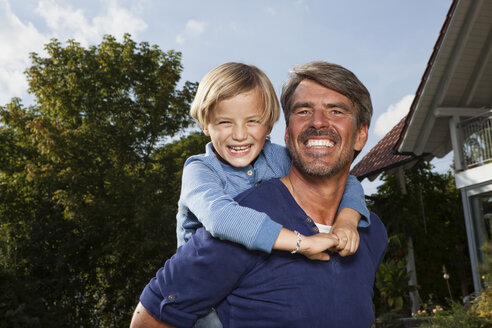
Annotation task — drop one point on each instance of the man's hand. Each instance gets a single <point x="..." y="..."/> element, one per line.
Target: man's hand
<point x="345" y="228"/>
<point x="313" y="246"/>
<point x="143" y="319"/>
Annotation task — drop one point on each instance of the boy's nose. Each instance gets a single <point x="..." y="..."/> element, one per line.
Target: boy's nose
<point x="239" y="132"/>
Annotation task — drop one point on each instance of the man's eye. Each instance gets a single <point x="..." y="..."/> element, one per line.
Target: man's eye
<point x="302" y="112"/>
<point x="336" y="111"/>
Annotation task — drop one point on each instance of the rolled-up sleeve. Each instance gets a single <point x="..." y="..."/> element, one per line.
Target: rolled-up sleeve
<point x="201" y="274"/>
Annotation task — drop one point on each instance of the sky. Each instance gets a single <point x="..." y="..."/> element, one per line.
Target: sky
<point x="386" y="43"/>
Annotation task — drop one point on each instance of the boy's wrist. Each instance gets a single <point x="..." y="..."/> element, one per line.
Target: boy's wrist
<point x="305" y="245"/>
<point x="348" y="216"/>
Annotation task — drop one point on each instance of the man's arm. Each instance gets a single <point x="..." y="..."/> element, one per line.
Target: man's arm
<point x="143" y="319"/>
<point x="199" y="276"/>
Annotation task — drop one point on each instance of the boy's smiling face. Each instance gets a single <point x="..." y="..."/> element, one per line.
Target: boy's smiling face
<point x="235" y="127"/>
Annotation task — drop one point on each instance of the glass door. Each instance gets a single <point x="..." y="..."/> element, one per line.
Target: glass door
<point x="477" y="205"/>
<point x="481" y="211"/>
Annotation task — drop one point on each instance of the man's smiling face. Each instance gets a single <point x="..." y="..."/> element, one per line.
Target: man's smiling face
<point x="322" y="133"/>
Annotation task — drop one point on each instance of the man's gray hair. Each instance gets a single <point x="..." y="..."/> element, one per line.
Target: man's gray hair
<point x="331" y="76"/>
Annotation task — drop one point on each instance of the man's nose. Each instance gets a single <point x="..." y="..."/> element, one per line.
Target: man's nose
<point x="319" y="118"/>
<point x="239" y="132"/>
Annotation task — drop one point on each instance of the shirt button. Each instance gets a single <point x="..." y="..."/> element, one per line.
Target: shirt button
<point x="171" y="297"/>
<point x="250" y="172"/>
<point x="315" y="229"/>
<point x="308" y="220"/>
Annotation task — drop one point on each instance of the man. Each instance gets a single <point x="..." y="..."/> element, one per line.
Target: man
<point x="327" y="111"/>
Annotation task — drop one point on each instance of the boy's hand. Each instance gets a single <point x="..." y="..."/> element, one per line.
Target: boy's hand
<point x="313" y="246"/>
<point x="345" y="228"/>
<point x="348" y="238"/>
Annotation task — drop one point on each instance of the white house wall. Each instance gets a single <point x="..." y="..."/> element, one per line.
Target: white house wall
<point x="474" y="176"/>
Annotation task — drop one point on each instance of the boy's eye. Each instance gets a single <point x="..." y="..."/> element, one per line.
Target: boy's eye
<point x="224" y="122"/>
<point x="254" y="121"/>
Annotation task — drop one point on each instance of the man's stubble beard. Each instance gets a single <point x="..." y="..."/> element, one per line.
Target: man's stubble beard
<point x="319" y="168"/>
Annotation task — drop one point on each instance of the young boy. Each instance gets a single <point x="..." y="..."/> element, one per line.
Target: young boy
<point x="236" y="106"/>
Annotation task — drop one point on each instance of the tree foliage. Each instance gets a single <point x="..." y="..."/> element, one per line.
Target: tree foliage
<point x="431" y="213"/>
<point x="88" y="190"/>
<point x="392" y="278"/>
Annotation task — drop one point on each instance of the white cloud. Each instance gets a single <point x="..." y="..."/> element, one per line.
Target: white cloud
<point x="192" y="30"/>
<point x="58" y="17"/>
<point x="63" y="22"/>
<point x="17" y="40"/>
<point x="119" y="21"/>
<point x="393" y="115"/>
<point x="68" y="23"/>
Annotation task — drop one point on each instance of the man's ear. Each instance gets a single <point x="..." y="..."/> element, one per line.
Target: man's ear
<point x="361" y="137"/>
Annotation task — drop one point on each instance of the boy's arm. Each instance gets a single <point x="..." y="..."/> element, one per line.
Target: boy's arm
<point x="312" y="247"/>
<point x="353" y="197"/>
<point x="203" y="193"/>
<point x="352" y="209"/>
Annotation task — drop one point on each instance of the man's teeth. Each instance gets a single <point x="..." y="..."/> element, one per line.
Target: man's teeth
<point x="319" y="143"/>
<point x="238" y="149"/>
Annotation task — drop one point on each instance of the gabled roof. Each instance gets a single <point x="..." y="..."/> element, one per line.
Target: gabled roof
<point x="457" y="81"/>
<point x="383" y="156"/>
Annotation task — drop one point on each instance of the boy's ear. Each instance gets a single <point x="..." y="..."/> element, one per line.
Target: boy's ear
<point x="205" y="131"/>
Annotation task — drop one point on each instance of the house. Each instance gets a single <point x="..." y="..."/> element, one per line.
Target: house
<point x="452" y="111"/>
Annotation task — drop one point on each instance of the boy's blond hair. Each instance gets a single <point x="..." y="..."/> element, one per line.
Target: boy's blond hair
<point x="229" y="80"/>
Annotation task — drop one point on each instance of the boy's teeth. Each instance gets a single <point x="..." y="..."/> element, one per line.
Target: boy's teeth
<point x="238" y="149"/>
<point x="319" y="143"/>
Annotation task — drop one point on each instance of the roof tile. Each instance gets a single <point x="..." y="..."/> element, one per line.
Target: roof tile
<point x="382" y="156"/>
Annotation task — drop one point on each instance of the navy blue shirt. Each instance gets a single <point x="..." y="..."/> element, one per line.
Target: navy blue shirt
<point x="256" y="289"/>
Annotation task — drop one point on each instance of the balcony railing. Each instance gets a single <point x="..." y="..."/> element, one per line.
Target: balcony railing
<point x="476" y="136"/>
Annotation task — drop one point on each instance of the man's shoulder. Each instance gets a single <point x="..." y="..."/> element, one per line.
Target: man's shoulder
<point x="264" y="190"/>
<point x="377" y="226"/>
<point x="376" y="234"/>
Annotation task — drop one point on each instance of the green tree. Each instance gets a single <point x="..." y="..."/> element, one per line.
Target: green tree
<point x="88" y="188"/>
<point x="431" y="213"/>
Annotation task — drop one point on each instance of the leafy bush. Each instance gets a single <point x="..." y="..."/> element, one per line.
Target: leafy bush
<point x="479" y="312"/>
<point x="458" y="316"/>
<point x="392" y="279"/>
<point x="392" y="283"/>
